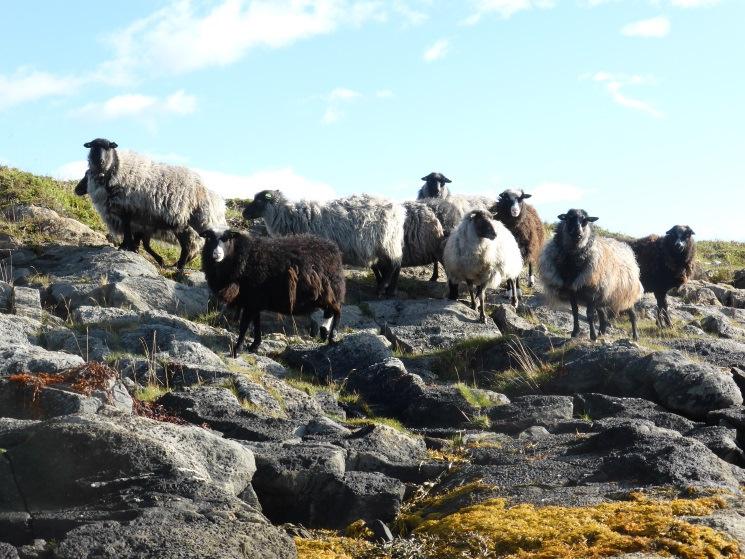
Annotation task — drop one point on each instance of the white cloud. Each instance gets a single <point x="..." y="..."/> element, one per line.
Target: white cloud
<point x="694" y="3"/>
<point x="339" y="99"/>
<point x="653" y="27"/>
<point x="291" y="184"/>
<point x="384" y="94"/>
<point x="343" y="94"/>
<point x="74" y="170"/>
<point x="30" y="85"/>
<point x="615" y="83"/>
<point x="185" y="36"/>
<point x="137" y="105"/>
<point x="332" y="114"/>
<point x="411" y="15"/>
<point x="437" y="50"/>
<point x="504" y="8"/>
<point x="554" y="192"/>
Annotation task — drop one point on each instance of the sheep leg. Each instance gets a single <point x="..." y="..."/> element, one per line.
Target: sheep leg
<point x="531" y="277"/>
<point x="513" y="287"/>
<point x="435" y="271"/>
<point x="591" y="320"/>
<point x="392" y="280"/>
<point x="663" y="317"/>
<point x="482" y="311"/>
<point x="452" y="291"/>
<point x="603" y="321"/>
<point x="325" y="329"/>
<point x="632" y="318"/>
<point x="242" y="328"/>
<point x="575" y="315"/>
<point x="129" y="242"/>
<point x="151" y="252"/>
<point x="334" y="323"/>
<point x="183" y="241"/>
<point x="469" y="283"/>
<point x="257" y="333"/>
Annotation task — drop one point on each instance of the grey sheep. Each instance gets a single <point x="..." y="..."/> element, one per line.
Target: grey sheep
<point x="580" y="267"/>
<point x="368" y="231"/>
<point x="132" y="192"/>
<point x="434" y="186"/>
<point x="481" y="252"/>
<point x="424" y="236"/>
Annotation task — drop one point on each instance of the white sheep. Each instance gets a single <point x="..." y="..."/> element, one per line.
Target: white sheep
<point x="368" y="231"/>
<point x="481" y="252"/>
<point x="580" y="267"/>
<point x="133" y="193"/>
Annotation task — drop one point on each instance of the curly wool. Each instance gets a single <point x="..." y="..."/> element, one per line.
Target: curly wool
<point x="424" y="236"/>
<point x="366" y="229"/>
<point x="604" y="272"/>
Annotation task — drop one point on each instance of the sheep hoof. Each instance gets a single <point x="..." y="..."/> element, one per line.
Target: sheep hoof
<point x="575" y="333"/>
<point x="433" y="278"/>
<point x="323" y="333"/>
<point x="253" y="348"/>
<point x="483" y="319"/>
<point x="531" y="281"/>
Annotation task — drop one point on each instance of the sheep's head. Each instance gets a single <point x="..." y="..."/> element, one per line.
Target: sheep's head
<point x="217" y="244"/>
<point x="101" y="156"/>
<point x="575" y="228"/>
<point x="482" y="224"/>
<point x="679" y="238"/>
<point x="435" y="185"/>
<point x="261" y="201"/>
<point x="510" y="203"/>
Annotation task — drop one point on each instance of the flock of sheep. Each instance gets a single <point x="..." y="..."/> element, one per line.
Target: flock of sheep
<point x="481" y="242"/>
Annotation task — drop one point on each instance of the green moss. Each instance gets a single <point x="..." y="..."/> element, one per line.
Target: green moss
<point x="150" y="392"/>
<point x="477" y="398"/>
<point x="331" y="546"/>
<point x="389" y="422"/>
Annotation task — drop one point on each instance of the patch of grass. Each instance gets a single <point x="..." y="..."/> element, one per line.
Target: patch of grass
<point x="530" y="372"/>
<point x="387" y="421"/>
<point x="720" y="259"/>
<point x="212" y="318"/>
<point x="494" y="529"/>
<point x="475" y="397"/>
<point x="366" y="309"/>
<point x="150" y="392"/>
<point x="20" y="187"/>
<point x="463" y="361"/>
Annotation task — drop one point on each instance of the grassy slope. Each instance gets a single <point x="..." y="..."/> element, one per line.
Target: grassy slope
<point x="719" y="258"/>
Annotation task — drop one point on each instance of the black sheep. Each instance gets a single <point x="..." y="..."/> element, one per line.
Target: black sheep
<point x="290" y="275"/>
<point x="434" y="186"/>
<point x="665" y="262"/>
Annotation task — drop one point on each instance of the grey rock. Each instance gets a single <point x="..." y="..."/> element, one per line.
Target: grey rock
<point x="509" y="322"/>
<point x="362" y="495"/>
<point x="533" y="433"/>
<point x="733" y="417"/>
<point x="355" y="351"/>
<point x="697" y="294"/>
<point x="420" y="325"/>
<point x="387" y="385"/>
<point x="222" y="411"/>
<point x="721" y="327"/>
<point x="325" y="427"/>
<point x="6" y="292"/>
<point x="600" y="406"/>
<point x="64" y="230"/>
<point x="531" y="410"/>
<point x="719" y="352"/>
<point x="188" y="351"/>
<point x="26" y="301"/>
<point x="721" y="440"/>
<point x="381" y="532"/>
<point x="7" y="551"/>
<point x="376" y="447"/>
<point x="442" y="406"/>
<point x="26" y="358"/>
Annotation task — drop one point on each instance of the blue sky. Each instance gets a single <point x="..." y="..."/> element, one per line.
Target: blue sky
<point x="631" y="109"/>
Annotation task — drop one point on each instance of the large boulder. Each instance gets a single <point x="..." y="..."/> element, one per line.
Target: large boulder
<point x="531" y="410"/>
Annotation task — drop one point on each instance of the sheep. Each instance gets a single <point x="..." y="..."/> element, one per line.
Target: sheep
<point x="483" y="252"/>
<point x="598" y="272"/>
<point x="424" y="236"/>
<point x="434" y="186"/>
<point x="665" y="262"/>
<point x="524" y="223"/>
<point x="368" y="231"/>
<point x="289" y="275"/>
<point x="131" y="192"/>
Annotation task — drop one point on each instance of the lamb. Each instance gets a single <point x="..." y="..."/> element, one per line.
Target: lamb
<point x="665" y="262"/>
<point x="580" y="267"/>
<point x="289" y="275"/>
<point x="424" y="236"/>
<point x="368" y="231"/>
<point x="434" y="186"/>
<point x="524" y="223"/>
<point x="133" y="193"/>
<point x="483" y="252"/>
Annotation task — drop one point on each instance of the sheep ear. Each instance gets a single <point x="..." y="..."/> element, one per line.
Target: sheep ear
<point x="445" y="179"/>
<point x="562" y="217"/>
<point x="670" y="231"/>
<point x="526" y="196"/>
<point x="691" y="231"/>
<point x="206" y="233"/>
<point x="229" y="234"/>
<point x="87" y="144"/>
<point x="592" y="219"/>
<point x="424" y="178"/>
<point x="113" y="145"/>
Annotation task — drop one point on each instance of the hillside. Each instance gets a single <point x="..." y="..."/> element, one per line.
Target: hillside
<point x="127" y="429"/>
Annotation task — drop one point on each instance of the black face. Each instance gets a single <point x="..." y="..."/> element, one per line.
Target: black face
<point x="258" y="205"/>
<point x="577" y="224"/>
<point x="511" y="202"/>
<point x="436" y="184"/>
<point x="100" y="156"/>
<point x="679" y="237"/>
<point x="483" y="225"/>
